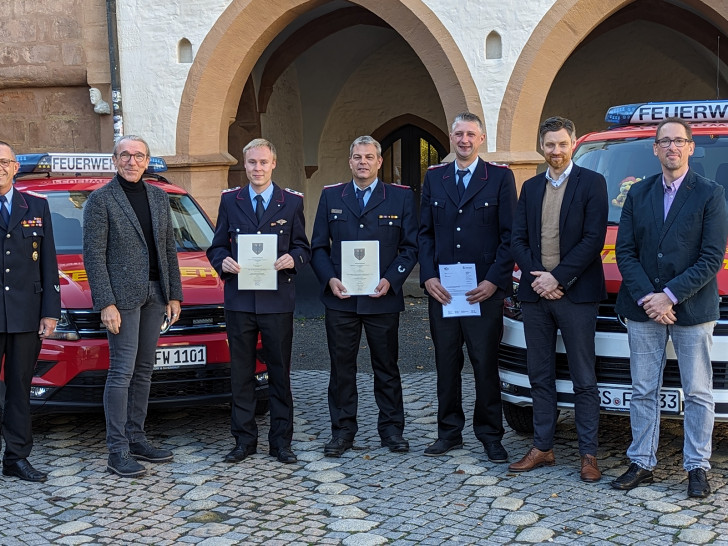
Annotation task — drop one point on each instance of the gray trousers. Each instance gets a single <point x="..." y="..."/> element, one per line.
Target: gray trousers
<point x="131" y="361"/>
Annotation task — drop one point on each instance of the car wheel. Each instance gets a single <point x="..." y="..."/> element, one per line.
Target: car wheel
<point x="519" y="418"/>
<point x="262" y="406"/>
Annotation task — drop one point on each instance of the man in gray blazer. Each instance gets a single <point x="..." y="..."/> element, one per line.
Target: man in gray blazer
<point x="131" y="261"/>
<point x="670" y="246"/>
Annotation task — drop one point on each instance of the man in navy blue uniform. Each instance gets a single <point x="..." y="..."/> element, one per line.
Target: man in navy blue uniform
<point x="466" y="216"/>
<point x="261" y="207"/>
<point x="365" y="209"/>
<point x="30" y="306"/>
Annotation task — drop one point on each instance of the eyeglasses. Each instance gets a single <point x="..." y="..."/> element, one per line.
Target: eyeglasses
<point x="679" y="142"/>
<point x="5" y="163"/>
<point x="126" y="156"/>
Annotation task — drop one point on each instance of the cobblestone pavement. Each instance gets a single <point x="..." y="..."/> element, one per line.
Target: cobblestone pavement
<point x="369" y="496"/>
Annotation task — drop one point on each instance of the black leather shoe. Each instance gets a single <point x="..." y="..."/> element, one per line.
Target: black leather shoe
<point x="698" y="485"/>
<point x="240" y="452"/>
<point x="124" y="465"/>
<point x="496" y="452"/>
<point x="284" y="454"/>
<point x="336" y="447"/>
<point x="634" y="476"/>
<point x="440" y="447"/>
<point x="24" y="470"/>
<point x="396" y="443"/>
<point x="144" y="451"/>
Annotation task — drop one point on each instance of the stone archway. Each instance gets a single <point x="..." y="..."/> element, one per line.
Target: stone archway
<point x="561" y="30"/>
<point x="229" y="52"/>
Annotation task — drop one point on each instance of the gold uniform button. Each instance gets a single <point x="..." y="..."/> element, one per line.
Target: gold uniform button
<point x="35" y="244"/>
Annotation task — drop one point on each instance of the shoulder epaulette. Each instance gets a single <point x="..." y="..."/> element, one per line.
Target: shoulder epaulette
<point x="334" y="185"/>
<point x="230" y="189"/>
<point x="36" y="194"/>
<point x="437" y="166"/>
<point x="294" y="192"/>
<point x="501" y="165"/>
<point x="402" y="186"/>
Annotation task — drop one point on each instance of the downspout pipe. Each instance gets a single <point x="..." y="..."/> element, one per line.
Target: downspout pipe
<point x="114" y="69"/>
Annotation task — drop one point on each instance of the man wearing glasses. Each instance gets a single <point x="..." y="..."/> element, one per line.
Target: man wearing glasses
<point x="30" y="305"/>
<point x="131" y="261"/>
<point x="670" y="246"/>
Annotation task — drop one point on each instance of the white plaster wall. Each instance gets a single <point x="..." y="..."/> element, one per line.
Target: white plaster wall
<point x="152" y="80"/>
<point x="469" y="24"/>
<point x="282" y="125"/>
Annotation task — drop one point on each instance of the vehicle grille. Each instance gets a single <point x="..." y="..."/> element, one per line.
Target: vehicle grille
<point x="87" y="388"/>
<point x="609" y="369"/>
<point x="607" y="320"/>
<point x="200" y="319"/>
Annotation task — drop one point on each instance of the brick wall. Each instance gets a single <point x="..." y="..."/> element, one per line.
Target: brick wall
<point x="50" y="54"/>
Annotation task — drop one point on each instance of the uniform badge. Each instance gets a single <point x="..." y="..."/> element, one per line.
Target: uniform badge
<point x="57" y="287"/>
<point x="336" y="211"/>
<point x="281" y="221"/>
<point x="35" y="255"/>
<point x="401" y="268"/>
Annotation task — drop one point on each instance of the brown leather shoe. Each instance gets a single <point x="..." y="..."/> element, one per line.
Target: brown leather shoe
<point x="533" y="459"/>
<point x="589" y="469"/>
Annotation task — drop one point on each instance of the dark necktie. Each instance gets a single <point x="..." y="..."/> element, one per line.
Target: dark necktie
<point x="360" y="197"/>
<point x="461" y="182"/>
<point x="4" y="210"/>
<point x="259" y="210"/>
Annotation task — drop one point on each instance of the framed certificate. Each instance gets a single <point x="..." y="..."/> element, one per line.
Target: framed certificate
<point x="360" y="267"/>
<point x="256" y="256"/>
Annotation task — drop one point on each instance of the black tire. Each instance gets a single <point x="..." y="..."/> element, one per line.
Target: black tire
<point x="519" y="418"/>
<point x="262" y="406"/>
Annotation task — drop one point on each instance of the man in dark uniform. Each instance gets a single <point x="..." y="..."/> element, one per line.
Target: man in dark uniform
<point x="261" y="207"/>
<point x="29" y="308"/>
<point x="365" y="209"/>
<point x="466" y="216"/>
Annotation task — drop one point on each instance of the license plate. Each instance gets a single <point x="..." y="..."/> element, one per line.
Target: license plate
<point x="175" y="357"/>
<point x="618" y="398"/>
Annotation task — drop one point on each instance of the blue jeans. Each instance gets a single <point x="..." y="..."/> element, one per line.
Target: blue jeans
<point x="131" y="361"/>
<point x="647" y="345"/>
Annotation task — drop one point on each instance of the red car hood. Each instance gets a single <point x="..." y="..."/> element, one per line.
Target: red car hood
<point x="200" y="282"/>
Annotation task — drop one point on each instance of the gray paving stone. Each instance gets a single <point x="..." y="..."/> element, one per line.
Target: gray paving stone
<point x="520" y="519"/>
<point x="331" y="488"/>
<point x="677" y="520"/>
<point x="72" y="527"/>
<point x="347" y="512"/>
<point x="492" y="491"/>
<point x="535" y="534"/>
<point x="74" y="539"/>
<point x="352" y="525"/>
<point x="663" y="507"/>
<point x="364" y="539"/>
<point x="327" y="476"/>
<point x="470" y="469"/>
<point x="482" y="480"/>
<point x="699" y="536"/>
<point x="309" y="456"/>
<point x="506" y="503"/>
<point x="339" y="500"/>
<point x="321" y="464"/>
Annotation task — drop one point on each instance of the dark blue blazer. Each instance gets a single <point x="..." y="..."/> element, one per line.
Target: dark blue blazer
<point x="389" y="217"/>
<point x="476" y="230"/>
<point x="582" y="228"/>
<point x="284" y="217"/>
<point x="683" y="252"/>
<point x="28" y="259"/>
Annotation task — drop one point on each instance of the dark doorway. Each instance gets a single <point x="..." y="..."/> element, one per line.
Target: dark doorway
<point x="407" y="152"/>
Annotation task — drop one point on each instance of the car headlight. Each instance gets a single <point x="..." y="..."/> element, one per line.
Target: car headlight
<point x="511" y="305"/>
<point x="65" y="329"/>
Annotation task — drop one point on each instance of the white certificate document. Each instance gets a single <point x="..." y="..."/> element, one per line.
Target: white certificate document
<point x="459" y="279"/>
<point x="256" y="256"/>
<point x="360" y="267"/>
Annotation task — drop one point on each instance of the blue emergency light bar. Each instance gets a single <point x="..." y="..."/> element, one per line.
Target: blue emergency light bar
<point x="697" y="111"/>
<point x="78" y="163"/>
